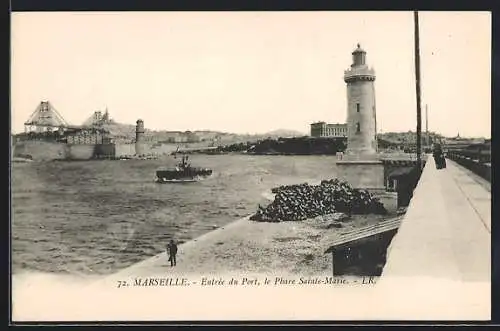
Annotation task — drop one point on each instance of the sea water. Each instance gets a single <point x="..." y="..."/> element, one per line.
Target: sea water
<point x="96" y="217"/>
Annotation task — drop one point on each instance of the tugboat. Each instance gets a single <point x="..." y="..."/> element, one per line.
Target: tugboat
<point x="182" y="173"/>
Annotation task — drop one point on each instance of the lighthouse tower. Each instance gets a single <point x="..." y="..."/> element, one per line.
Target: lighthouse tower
<point x="361" y="111"/>
<point x="361" y="167"/>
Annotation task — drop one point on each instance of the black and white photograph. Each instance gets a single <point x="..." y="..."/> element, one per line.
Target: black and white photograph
<point x="250" y="165"/>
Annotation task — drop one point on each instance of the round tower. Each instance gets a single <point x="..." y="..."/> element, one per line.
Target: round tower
<point x="139" y="137"/>
<point x="361" y="111"/>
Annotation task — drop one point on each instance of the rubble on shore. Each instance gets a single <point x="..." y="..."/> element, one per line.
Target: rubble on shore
<point x="304" y="201"/>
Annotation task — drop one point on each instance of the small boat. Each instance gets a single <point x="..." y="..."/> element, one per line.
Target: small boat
<point x="182" y="173"/>
<point x="21" y="160"/>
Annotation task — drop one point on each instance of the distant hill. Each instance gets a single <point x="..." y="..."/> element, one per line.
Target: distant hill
<point x="126" y="132"/>
<point x="284" y="133"/>
<point x="407" y="138"/>
<point x="120" y="130"/>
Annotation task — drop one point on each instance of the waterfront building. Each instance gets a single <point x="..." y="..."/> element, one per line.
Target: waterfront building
<point x="323" y="129"/>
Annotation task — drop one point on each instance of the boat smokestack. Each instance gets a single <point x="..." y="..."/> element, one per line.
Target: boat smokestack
<point x="139" y="137"/>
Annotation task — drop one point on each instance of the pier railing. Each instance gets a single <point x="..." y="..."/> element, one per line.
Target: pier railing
<point x="359" y="71"/>
<point x="477" y="162"/>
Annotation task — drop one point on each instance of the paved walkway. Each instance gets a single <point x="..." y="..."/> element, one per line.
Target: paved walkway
<point x="476" y="190"/>
<point x="445" y="238"/>
<point x="447" y="229"/>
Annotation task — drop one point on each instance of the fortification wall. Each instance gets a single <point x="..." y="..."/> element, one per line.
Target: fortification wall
<point x="40" y="150"/>
<point x="80" y="152"/>
<point x="129" y="149"/>
<point x="124" y="150"/>
<point x="47" y="151"/>
<point x="105" y="150"/>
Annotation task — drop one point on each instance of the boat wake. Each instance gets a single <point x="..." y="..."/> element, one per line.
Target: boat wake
<point x="181" y="180"/>
<point x="182" y="173"/>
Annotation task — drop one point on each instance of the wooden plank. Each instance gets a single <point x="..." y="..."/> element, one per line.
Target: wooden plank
<point x="365" y="232"/>
<point x="369" y="227"/>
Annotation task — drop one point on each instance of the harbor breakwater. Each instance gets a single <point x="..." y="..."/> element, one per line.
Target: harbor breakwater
<point x="39" y="150"/>
<point x="283" y="146"/>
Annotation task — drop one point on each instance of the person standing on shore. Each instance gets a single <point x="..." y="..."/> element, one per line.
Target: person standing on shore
<point x="172" y="252"/>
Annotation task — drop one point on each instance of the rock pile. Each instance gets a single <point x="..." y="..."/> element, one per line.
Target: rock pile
<point x="304" y="201"/>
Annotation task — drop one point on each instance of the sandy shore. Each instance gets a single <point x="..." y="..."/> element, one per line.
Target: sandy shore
<point x="250" y="247"/>
<point x="244" y="248"/>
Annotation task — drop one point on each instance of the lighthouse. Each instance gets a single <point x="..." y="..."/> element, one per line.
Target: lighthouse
<point x="361" y="110"/>
<point x="361" y="166"/>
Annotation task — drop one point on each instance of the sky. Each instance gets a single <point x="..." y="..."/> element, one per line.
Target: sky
<point x="250" y="72"/>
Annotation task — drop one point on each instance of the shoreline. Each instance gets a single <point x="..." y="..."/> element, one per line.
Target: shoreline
<point x="148" y="262"/>
<point x="255" y="230"/>
<point x="243" y="246"/>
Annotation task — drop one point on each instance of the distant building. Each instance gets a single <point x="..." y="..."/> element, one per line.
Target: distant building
<point x="98" y="118"/>
<point x="322" y="129"/>
<point x="179" y="137"/>
<point x="461" y="142"/>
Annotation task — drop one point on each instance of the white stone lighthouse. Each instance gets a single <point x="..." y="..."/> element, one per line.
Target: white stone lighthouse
<point x="361" y="111"/>
<point x="361" y="167"/>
